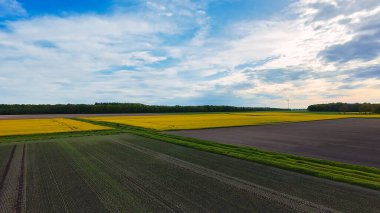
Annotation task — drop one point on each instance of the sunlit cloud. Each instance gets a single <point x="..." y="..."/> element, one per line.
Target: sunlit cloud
<point x="165" y="52"/>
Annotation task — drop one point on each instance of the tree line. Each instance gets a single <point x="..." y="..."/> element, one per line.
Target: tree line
<point x="345" y="107"/>
<point x="17" y="109"/>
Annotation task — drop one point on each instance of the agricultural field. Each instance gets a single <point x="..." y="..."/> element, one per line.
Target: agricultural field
<point x="44" y="126"/>
<point x="201" y="121"/>
<point x="124" y="172"/>
<point x="135" y="169"/>
<point x="351" y="140"/>
<point x="190" y="106"/>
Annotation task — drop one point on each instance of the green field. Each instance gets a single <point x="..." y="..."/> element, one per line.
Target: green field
<point x="119" y="173"/>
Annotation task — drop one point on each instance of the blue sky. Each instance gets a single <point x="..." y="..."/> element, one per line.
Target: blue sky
<point x="235" y="52"/>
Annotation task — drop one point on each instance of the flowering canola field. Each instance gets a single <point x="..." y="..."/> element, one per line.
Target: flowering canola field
<point x="41" y="126"/>
<point x="200" y="121"/>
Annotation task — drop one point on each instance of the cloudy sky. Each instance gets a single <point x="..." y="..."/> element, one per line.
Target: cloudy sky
<point x="234" y="52"/>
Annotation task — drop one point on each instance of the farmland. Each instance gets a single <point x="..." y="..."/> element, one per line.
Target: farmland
<point x="200" y="121"/>
<point x="190" y="106"/>
<point x="352" y="140"/>
<point x="43" y="126"/>
<point x="138" y="169"/>
<point x="124" y="172"/>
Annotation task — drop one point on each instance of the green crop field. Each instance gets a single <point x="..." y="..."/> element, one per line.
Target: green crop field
<point x="123" y="172"/>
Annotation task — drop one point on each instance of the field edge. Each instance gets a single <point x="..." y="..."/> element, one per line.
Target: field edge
<point x="353" y="174"/>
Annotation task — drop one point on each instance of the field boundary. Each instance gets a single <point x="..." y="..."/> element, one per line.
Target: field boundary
<point x="21" y="183"/>
<point x="353" y="174"/>
<point x="7" y="167"/>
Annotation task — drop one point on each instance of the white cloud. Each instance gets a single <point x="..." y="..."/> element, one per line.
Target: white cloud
<point x="52" y="59"/>
<point x="11" y="8"/>
<point x="295" y="44"/>
<point x="136" y="56"/>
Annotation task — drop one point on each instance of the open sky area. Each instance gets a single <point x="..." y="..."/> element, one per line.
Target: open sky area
<point x="222" y="52"/>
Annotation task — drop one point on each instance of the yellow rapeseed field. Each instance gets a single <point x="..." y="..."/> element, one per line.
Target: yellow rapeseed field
<point x="41" y="126"/>
<point x="199" y="121"/>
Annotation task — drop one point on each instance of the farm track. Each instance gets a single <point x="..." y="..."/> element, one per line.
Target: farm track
<point x="6" y="170"/>
<point x="21" y="180"/>
<point x="73" y="128"/>
<point x="287" y="201"/>
<point x="12" y="186"/>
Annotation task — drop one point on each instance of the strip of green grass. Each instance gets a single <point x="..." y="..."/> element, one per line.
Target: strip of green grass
<point x="353" y="174"/>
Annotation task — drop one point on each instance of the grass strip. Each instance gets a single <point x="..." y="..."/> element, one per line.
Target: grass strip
<point x="353" y="174"/>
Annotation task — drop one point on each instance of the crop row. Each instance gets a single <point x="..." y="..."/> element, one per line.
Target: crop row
<point x="108" y="176"/>
<point x="54" y="185"/>
<point x="150" y="183"/>
<point x="343" y="197"/>
<point x="12" y="181"/>
<point x="359" y="175"/>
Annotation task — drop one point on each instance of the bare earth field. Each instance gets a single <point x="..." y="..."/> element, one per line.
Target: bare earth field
<point x="355" y="141"/>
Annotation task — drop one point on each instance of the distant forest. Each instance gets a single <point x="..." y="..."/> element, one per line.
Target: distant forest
<point x="345" y="107"/>
<point x="17" y="109"/>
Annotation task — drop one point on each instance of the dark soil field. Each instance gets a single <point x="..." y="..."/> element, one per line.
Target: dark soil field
<point x="128" y="173"/>
<point x="355" y="141"/>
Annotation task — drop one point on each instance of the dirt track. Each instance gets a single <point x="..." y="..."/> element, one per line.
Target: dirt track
<point x="355" y="141"/>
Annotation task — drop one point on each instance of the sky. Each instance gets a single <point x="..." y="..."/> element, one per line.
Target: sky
<point x="200" y="52"/>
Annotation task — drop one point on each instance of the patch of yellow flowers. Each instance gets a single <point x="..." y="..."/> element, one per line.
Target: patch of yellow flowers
<point x="200" y="121"/>
<point x="42" y="126"/>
